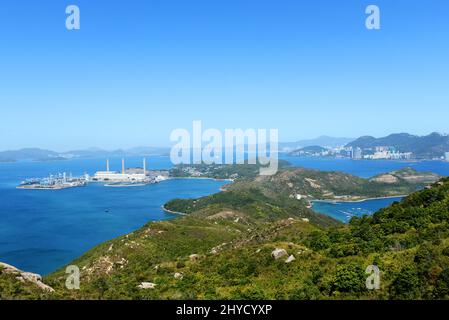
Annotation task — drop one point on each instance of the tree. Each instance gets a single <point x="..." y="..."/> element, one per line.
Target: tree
<point x="441" y="290"/>
<point x="407" y="284"/>
<point x="349" y="278"/>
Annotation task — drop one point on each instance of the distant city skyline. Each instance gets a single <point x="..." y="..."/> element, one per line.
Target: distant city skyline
<point x="136" y="70"/>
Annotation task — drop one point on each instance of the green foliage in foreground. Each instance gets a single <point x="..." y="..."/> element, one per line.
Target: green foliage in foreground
<point x="11" y="288"/>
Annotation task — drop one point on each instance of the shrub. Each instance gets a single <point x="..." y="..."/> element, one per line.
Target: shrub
<point x="349" y="278"/>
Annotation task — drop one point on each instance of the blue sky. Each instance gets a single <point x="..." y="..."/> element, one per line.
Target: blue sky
<point x="139" y="69"/>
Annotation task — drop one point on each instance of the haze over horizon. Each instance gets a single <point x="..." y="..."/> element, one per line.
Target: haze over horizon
<point x="135" y="72"/>
<point x="168" y="145"/>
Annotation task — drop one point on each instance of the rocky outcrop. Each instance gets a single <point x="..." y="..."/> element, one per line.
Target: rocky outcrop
<point x="147" y="285"/>
<point x="409" y="175"/>
<point x="278" y="253"/>
<point x="385" y="178"/>
<point x="178" y="275"/>
<point x="25" y="277"/>
<point x="194" y="257"/>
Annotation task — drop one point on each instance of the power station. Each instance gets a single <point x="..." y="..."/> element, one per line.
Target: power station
<point x="128" y="177"/>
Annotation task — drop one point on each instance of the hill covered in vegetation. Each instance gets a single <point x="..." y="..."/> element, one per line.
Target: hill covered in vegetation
<point x="300" y="183"/>
<point x="422" y="147"/>
<point x="256" y="241"/>
<point x="220" y="171"/>
<point x="309" y="151"/>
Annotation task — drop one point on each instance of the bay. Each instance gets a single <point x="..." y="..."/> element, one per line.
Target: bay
<point x="42" y="230"/>
<point x="345" y="211"/>
<point x="366" y="168"/>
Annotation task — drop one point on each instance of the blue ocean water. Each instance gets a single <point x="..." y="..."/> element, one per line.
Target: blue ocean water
<point x="41" y="230"/>
<point x="366" y="168"/>
<point x="344" y="211"/>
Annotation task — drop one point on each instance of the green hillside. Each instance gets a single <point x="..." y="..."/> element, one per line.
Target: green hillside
<point x="309" y="151"/>
<point x="223" y="248"/>
<point x="219" y="171"/>
<point x="314" y="184"/>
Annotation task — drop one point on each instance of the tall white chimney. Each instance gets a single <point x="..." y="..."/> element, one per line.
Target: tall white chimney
<point x="107" y="165"/>
<point x="123" y="165"/>
<point x="144" y="166"/>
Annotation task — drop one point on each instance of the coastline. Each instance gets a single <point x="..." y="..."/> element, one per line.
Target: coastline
<point x="45" y="188"/>
<point x="204" y="178"/>
<point x="346" y="158"/>
<point x="200" y="178"/>
<point x="223" y="188"/>
<point x="173" y="212"/>
<point x="360" y="200"/>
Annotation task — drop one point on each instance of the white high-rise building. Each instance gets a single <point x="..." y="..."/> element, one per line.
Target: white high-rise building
<point x="446" y="156"/>
<point x="357" y="153"/>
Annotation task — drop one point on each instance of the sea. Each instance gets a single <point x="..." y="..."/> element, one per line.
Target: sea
<point x="43" y="230"/>
<point x="345" y="211"/>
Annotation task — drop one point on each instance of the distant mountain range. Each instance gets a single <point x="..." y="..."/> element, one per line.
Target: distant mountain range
<point x="136" y="151"/>
<point x="309" y="151"/>
<point x="27" y="153"/>
<point x="37" y="154"/>
<point x="322" y="141"/>
<point x="431" y="146"/>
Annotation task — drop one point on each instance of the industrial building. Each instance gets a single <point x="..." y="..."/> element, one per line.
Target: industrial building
<point x="123" y="176"/>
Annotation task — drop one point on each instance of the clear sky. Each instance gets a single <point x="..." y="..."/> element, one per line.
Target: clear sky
<point x="136" y="70"/>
